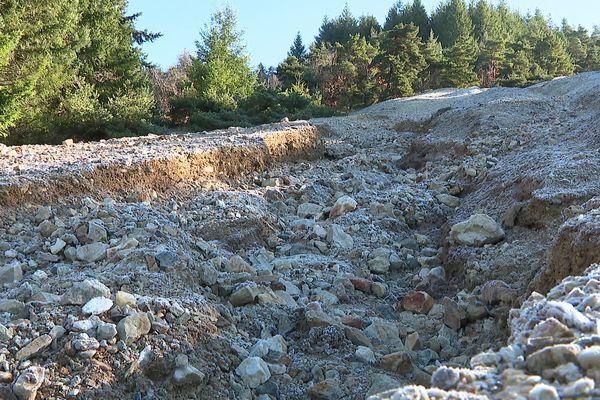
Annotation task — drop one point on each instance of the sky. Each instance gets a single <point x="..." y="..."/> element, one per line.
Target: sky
<point x="270" y="25"/>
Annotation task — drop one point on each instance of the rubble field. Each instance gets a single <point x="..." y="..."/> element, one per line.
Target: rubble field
<point x="441" y="246"/>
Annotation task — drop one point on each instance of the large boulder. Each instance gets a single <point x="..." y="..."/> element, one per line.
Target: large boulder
<point x="476" y="231"/>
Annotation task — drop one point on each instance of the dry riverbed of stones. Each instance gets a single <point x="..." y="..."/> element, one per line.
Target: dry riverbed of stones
<point x="328" y="279"/>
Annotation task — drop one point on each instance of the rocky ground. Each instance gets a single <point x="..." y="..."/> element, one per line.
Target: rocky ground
<point x="406" y="244"/>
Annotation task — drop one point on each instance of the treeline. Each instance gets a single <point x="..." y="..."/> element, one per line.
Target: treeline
<point x="356" y="61"/>
<point x="71" y="68"/>
<point x="75" y="69"/>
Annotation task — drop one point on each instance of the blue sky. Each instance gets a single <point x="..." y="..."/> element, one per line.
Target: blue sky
<point x="271" y="25"/>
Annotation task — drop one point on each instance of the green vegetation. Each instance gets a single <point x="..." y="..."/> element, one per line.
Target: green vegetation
<point x="75" y="69"/>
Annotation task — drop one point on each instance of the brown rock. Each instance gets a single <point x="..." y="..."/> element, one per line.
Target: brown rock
<point x="454" y="315"/>
<point x="418" y="302"/>
<point x="329" y="389"/>
<point x="33" y="348"/>
<point x="399" y="362"/>
<point x="552" y="357"/>
<point x="361" y="284"/>
<point x="353" y="321"/>
<point x="343" y="205"/>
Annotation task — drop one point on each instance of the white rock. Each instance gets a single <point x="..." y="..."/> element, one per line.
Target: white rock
<point x="541" y="391"/>
<point x="58" y="246"/>
<point x="342" y="206"/>
<point x="28" y="383"/>
<point x="253" y="371"/>
<point x="123" y="299"/>
<point x="262" y="347"/>
<point x="478" y="230"/>
<point x="97" y="306"/>
<point x="365" y="355"/>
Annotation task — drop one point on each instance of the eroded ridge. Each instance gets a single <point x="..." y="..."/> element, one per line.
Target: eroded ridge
<point x="43" y="173"/>
<point x="332" y="260"/>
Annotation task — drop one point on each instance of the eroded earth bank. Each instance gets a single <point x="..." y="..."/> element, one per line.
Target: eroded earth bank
<point x="440" y="246"/>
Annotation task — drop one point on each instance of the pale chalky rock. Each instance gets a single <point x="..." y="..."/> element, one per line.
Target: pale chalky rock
<point x="28" y="383"/>
<point x="123" y="299"/>
<point x="133" y="327"/>
<point x="477" y="231"/>
<point x="541" y="391"/>
<point x="343" y="205"/>
<point x="97" y="306"/>
<point x="253" y="371"/>
<point x="58" y="246"/>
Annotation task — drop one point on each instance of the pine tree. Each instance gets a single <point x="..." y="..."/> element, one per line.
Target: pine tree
<point x="578" y="43"/>
<point x="338" y="30"/>
<point x="401" y="61"/>
<point x="298" y="50"/>
<point x="593" y="57"/>
<point x="414" y="13"/>
<point x="434" y="58"/>
<point x="459" y="69"/>
<point x="551" y="55"/>
<point x="451" y="21"/>
<point x="368" y="27"/>
<point x="220" y="74"/>
<point x="291" y="72"/>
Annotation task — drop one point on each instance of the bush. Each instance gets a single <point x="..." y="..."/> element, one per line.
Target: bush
<point x="262" y="107"/>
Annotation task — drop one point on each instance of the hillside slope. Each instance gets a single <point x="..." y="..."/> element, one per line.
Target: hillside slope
<point x="334" y="259"/>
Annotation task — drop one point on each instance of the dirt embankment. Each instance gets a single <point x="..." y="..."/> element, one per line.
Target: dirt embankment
<point x="42" y="174"/>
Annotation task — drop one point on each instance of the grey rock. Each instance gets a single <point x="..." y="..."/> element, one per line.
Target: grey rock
<point x="188" y="376"/>
<point x="244" y="295"/>
<point x="11" y="273"/>
<point x="92" y="252"/>
<point x="106" y="331"/>
<point x="338" y="238"/>
<point x="96" y="232"/>
<point x="167" y="259"/>
<point x="84" y="291"/>
<point x="83" y="342"/>
<point x="307" y="210"/>
<point x="445" y="378"/>
<point x="6" y="334"/>
<point x="12" y="306"/>
<point x="383" y="332"/>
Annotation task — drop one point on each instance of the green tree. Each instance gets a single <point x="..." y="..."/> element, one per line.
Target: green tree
<point x="338" y="30"/>
<point x="451" y="21"/>
<point x="434" y="58"/>
<point x="401" y="61"/>
<point x="459" y="69"/>
<point x="551" y="55"/>
<point x="298" y="49"/>
<point x="414" y="13"/>
<point x="221" y="75"/>
<point x="368" y="27"/>
<point x="578" y="44"/>
<point x="593" y="57"/>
